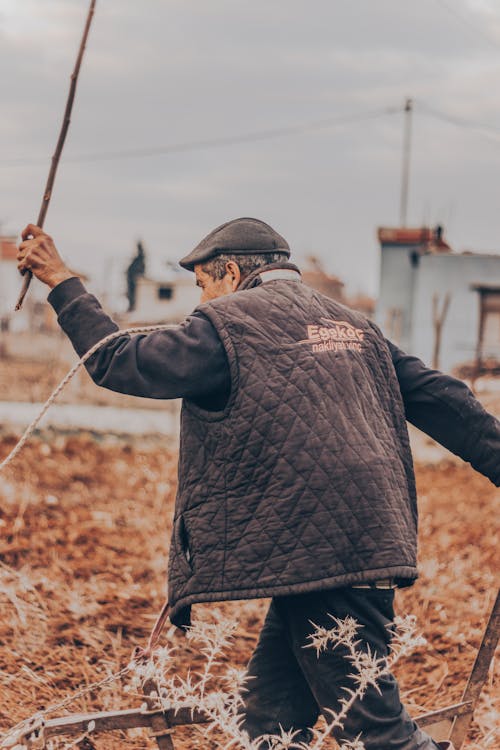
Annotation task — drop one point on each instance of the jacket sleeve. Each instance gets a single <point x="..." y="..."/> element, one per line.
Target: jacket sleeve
<point x="184" y="361"/>
<point x="444" y="408"/>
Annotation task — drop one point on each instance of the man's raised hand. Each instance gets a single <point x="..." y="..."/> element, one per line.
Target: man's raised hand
<point x="38" y="254"/>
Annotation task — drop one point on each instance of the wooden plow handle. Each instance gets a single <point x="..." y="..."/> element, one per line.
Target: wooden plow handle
<point x="453" y="721"/>
<point x="157" y="720"/>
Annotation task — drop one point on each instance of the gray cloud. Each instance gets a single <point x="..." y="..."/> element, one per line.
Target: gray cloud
<point x="161" y="73"/>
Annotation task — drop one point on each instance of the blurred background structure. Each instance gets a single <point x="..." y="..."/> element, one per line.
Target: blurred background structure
<point x="440" y="305"/>
<point x="326" y="123"/>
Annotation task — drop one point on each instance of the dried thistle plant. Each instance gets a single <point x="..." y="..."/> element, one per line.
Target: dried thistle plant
<point x="220" y="698"/>
<point x="222" y="703"/>
<point x="368" y="668"/>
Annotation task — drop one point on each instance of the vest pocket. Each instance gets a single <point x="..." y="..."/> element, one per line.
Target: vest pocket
<point x="181" y="539"/>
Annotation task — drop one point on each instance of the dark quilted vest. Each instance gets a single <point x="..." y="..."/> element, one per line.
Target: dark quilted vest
<point x="305" y="480"/>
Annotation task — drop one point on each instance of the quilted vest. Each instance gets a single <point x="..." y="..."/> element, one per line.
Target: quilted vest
<point x="305" y="480"/>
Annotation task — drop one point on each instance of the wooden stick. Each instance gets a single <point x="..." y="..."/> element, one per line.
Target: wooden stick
<point x="479" y="673"/>
<point x="449" y="712"/>
<point x="60" y="143"/>
<point x="160" y="726"/>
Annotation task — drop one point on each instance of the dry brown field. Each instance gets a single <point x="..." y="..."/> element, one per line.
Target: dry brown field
<point x="85" y="529"/>
<point x="28" y="379"/>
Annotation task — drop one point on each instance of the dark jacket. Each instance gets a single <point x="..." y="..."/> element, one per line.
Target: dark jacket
<point x="303" y="479"/>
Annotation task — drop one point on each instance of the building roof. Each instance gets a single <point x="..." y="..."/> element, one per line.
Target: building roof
<point x="403" y="235"/>
<point x="486" y="288"/>
<point x="425" y="239"/>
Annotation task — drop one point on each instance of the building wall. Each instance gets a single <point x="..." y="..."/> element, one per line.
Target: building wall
<point x="150" y="308"/>
<point x="452" y="273"/>
<point x="397" y="275"/>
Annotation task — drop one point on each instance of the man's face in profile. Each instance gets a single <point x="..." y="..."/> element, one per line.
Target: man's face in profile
<point x="213" y="288"/>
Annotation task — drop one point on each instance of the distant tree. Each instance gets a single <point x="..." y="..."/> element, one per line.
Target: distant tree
<point x="315" y="275"/>
<point x="136" y="268"/>
<point x="438" y="318"/>
<point x="315" y="264"/>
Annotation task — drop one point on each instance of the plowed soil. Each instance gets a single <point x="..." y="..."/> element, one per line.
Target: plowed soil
<point x="85" y="529"/>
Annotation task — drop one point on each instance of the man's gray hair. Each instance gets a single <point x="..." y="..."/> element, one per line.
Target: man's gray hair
<point x="216" y="267"/>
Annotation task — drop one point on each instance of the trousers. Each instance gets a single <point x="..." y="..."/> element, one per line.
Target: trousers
<point x="289" y="686"/>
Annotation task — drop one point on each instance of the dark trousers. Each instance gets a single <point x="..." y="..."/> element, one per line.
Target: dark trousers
<point x="289" y="685"/>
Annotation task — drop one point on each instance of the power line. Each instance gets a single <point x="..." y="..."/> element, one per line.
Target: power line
<point x="221" y="142"/>
<point x="490" y="131"/>
<point x="465" y="20"/>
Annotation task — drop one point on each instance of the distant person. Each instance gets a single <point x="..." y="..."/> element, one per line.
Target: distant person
<point x="295" y="472"/>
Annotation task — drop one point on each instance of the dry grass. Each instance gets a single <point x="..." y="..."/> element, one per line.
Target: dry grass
<point x="84" y="541"/>
<point x="23" y="379"/>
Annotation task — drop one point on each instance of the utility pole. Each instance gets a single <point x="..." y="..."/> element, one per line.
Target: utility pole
<point x="406" y="163"/>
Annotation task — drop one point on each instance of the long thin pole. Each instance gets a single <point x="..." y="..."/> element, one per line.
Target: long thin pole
<point x="60" y="143"/>
<point x="406" y="163"/>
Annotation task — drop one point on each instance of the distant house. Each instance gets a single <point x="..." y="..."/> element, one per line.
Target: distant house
<point x="440" y="305"/>
<point x="9" y="276"/>
<point x="10" y="286"/>
<point x="167" y="293"/>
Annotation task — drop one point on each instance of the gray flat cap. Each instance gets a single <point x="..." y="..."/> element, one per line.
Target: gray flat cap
<point x="238" y="237"/>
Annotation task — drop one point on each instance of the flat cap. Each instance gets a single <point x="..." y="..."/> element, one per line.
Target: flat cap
<point x="237" y="237"/>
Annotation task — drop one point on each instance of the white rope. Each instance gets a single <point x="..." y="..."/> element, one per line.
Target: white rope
<point x="64" y="382"/>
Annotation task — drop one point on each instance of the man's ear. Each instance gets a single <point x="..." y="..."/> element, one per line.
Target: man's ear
<point x="233" y="270"/>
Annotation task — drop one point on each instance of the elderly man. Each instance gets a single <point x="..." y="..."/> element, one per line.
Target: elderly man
<point x="295" y="473"/>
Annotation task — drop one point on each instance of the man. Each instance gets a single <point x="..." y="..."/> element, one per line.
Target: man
<point x="295" y="473"/>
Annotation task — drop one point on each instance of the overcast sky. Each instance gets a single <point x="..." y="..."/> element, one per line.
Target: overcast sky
<point x="160" y="73"/>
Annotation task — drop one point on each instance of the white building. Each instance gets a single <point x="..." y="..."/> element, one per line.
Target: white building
<point x="166" y="294"/>
<point x="421" y="277"/>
